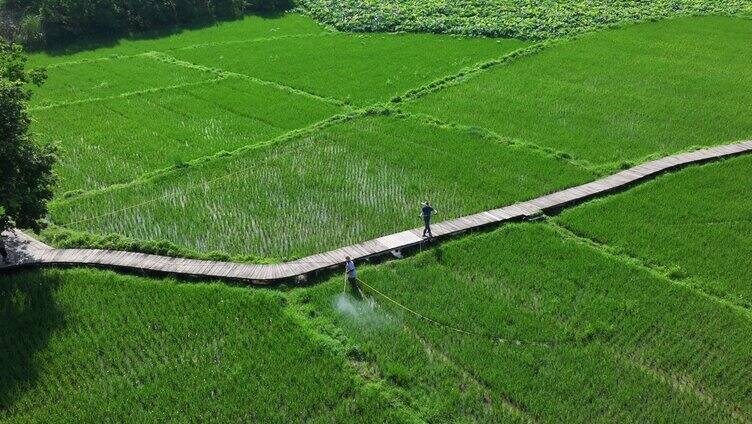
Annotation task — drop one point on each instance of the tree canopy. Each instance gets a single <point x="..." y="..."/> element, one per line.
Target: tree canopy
<point x="26" y="174"/>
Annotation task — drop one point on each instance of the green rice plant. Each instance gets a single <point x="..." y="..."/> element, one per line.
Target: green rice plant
<point x="616" y="96"/>
<point x="624" y="344"/>
<point x="243" y="30"/>
<point x="361" y="69"/>
<point x="340" y="185"/>
<point x="83" y="345"/>
<point x="103" y="79"/>
<point x="696" y="223"/>
<point x="118" y="140"/>
<point x="525" y="19"/>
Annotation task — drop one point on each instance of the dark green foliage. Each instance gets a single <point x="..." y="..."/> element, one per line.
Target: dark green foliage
<point x="25" y="167"/>
<point x="66" y="20"/>
<point x="526" y="19"/>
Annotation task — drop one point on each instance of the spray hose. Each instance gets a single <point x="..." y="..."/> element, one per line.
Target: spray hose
<point x="492" y="337"/>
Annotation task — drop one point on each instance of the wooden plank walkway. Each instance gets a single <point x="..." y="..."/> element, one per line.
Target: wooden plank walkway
<point x="25" y="251"/>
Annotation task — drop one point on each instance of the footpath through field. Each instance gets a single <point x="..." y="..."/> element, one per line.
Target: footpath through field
<point x="25" y="251"/>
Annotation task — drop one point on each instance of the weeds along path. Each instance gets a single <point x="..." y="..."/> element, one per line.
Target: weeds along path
<point x="25" y="251"/>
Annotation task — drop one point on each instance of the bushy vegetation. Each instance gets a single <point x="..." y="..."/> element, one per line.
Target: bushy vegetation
<point x="26" y="165"/>
<point x="56" y="22"/>
<point x="618" y="95"/>
<point x="83" y="345"/>
<point x="340" y="185"/>
<point x="524" y="19"/>
<point x="697" y="222"/>
<point x="644" y="349"/>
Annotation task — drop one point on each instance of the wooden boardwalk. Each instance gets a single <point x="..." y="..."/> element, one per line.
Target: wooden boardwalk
<point x="25" y="251"/>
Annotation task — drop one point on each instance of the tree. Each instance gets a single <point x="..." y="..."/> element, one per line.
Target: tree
<point x="26" y="174"/>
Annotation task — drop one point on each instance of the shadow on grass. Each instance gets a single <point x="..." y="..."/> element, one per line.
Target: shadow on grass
<point x="93" y="42"/>
<point x="28" y="316"/>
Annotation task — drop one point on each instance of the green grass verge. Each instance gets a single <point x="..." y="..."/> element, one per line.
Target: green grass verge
<point x="343" y="184"/>
<point x="362" y="69"/>
<point x="524" y="19"/>
<point x="696" y="222"/>
<point x="84" y="345"/>
<point x="657" y="351"/>
<point x="118" y="140"/>
<point x="618" y="95"/>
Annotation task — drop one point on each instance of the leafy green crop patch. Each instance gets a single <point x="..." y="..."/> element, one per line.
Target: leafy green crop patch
<point x="525" y="19"/>
<point x="83" y="345"/>
<point x="118" y="140"/>
<point x="244" y="30"/>
<point x="108" y="78"/>
<point x="341" y="185"/>
<point x="361" y="69"/>
<point x="632" y="346"/>
<point x="618" y="95"/>
<point x="697" y="222"/>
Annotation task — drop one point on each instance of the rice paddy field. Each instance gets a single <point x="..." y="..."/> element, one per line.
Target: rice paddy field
<point x="267" y="139"/>
<point x="297" y="139"/>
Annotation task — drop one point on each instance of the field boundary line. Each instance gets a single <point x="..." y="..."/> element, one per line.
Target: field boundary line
<point x="431" y="120"/>
<point x="127" y="94"/>
<point x="679" y="384"/>
<point x="470" y="72"/>
<point x="392" y="244"/>
<point x="166" y="58"/>
<point x="640" y="263"/>
<point x="507" y="402"/>
<point x="186" y="47"/>
<point x="220" y="155"/>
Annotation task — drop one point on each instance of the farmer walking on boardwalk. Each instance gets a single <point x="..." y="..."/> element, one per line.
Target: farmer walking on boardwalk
<point x="352" y="275"/>
<point x="426" y="213"/>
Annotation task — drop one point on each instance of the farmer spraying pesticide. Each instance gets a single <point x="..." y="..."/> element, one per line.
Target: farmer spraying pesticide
<point x="351" y="275"/>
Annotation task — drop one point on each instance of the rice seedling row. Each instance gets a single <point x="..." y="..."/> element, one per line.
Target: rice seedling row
<point x="642" y="350"/>
<point x="246" y="29"/>
<point x="344" y="184"/>
<point x="615" y="96"/>
<point x="125" y="138"/>
<point x="90" y="345"/>
<point x="362" y="70"/>
<point x="110" y="78"/>
<point x="696" y="223"/>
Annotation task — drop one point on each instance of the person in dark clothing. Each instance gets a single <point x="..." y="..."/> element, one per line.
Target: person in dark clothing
<point x="352" y="275"/>
<point x="3" y="252"/>
<point x="426" y="212"/>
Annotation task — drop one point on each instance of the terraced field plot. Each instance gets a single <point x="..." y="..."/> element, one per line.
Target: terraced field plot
<point x="347" y="183"/>
<point x="559" y="115"/>
<point x="361" y="69"/>
<point x="94" y="346"/>
<point x="697" y="222"/>
<point x="626" y="344"/>
<point x="618" y="95"/>
<point x="249" y="29"/>
<point x="124" y="138"/>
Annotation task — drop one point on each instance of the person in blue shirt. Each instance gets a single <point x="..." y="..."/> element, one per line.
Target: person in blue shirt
<point x="426" y="213"/>
<point x="352" y="274"/>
